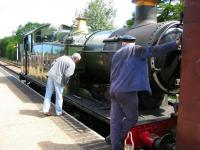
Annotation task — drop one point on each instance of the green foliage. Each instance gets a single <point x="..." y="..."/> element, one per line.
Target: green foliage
<point x="170" y="10"/>
<point x="100" y="14"/>
<point x="130" y="22"/>
<point x="11" y="48"/>
<point x="3" y="44"/>
<point x="8" y="47"/>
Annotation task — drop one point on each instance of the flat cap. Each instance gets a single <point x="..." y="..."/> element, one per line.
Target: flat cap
<point x="127" y="38"/>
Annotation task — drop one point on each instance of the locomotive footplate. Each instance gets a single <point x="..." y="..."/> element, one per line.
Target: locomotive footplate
<point x="102" y="112"/>
<point x="98" y="110"/>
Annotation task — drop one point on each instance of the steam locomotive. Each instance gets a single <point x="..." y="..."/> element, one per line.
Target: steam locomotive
<point x="88" y="88"/>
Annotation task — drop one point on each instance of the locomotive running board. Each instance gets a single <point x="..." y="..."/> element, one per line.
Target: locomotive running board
<point x="88" y="106"/>
<point x="95" y="109"/>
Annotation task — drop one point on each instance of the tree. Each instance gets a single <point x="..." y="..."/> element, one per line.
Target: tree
<point x="130" y="22"/>
<point x="3" y="44"/>
<point x="8" y="47"/>
<point x="100" y="15"/>
<point x="169" y="10"/>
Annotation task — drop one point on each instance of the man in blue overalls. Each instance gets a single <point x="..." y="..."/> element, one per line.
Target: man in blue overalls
<point x="129" y="74"/>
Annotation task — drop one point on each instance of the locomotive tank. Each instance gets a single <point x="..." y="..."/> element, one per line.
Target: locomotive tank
<point x="163" y="70"/>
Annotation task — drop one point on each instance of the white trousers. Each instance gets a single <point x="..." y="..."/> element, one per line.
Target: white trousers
<point x="50" y="87"/>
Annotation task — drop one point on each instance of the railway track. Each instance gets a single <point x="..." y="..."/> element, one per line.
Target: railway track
<point x="10" y="66"/>
<point x="9" y="62"/>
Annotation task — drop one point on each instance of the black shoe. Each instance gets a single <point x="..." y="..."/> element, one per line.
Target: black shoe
<point x="108" y="140"/>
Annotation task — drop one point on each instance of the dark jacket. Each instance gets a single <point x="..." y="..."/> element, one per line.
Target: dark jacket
<point x="129" y="69"/>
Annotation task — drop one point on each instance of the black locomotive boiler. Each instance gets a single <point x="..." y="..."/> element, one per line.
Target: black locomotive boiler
<point x="89" y="86"/>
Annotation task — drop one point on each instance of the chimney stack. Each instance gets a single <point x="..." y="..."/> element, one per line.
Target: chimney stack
<point x="81" y="25"/>
<point x="146" y="12"/>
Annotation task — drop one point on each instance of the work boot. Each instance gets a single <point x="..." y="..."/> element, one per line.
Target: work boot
<point x="108" y="140"/>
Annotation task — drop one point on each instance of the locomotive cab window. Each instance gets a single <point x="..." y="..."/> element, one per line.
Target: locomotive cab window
<point x="38" y="38"/>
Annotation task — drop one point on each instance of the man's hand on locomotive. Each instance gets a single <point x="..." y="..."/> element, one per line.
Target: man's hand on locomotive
<point x="179" y="42"/>
<point x="65" y="80"/>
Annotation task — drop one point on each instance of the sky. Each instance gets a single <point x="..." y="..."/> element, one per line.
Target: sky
<point x="18" y="12"/>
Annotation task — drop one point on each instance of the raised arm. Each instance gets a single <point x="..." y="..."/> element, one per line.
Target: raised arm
<point x="156" y="50"/>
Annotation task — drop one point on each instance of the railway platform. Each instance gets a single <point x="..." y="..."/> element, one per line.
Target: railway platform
<point x="23" y="125"/>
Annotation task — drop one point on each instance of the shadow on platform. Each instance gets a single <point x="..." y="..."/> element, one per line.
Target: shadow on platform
<point x="35" y="113"/>
<point x="20" y="90"/>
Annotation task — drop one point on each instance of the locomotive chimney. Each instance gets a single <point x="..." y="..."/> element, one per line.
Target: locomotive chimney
<point x="81" y="25"/>
<point x="146" y="12"/>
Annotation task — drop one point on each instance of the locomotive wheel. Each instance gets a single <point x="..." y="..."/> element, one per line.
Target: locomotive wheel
<point x="166" y="142"/>
<point x="84" y="93"/>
